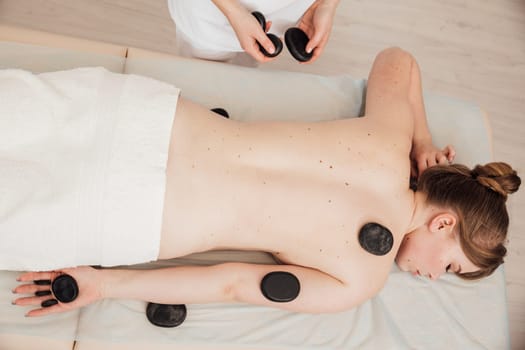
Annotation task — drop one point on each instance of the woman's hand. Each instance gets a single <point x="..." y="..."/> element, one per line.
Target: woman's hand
<point x="89" y="285"/>
<point x="425" y="155"/>
<point x="248" y="31"/>
<point x="317" y="23"/>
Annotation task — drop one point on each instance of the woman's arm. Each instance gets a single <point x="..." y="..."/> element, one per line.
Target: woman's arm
<point x="395" y="99"/>
<point x="387" y="93"/>
<point x="228" y="282"/>
<point x="423" y="154"/>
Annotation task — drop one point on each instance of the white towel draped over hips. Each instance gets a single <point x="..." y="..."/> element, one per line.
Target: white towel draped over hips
<point x="82" y="154"/>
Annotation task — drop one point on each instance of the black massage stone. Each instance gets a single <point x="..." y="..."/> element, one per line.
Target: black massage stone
<point x="280" y="286"/>
<point x="376" y="239"/>
<point x="42" y="282"/>
<point x="296" y="41"/>
<point x="277" y="43"/>
<point x="260" y="18"/>
<point x="166" y="315"/>
<point x="48" y="303"/>
<point x="65" y="288"/>
<point x="221" y="111"/>
<point x="42" y="293"/>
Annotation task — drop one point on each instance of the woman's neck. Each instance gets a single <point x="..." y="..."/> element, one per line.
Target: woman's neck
<point x="422" y="211"/>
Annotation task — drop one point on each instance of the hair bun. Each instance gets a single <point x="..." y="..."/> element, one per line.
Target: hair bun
<point x="497" y="176"/>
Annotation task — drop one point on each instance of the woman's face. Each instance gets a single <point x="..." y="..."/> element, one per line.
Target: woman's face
<point x="431" y="251"/>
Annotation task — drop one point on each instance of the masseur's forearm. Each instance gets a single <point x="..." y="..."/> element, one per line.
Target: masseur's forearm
<point x="228" y="7"/>
<point x="176" y="285"/>
<point x="331" y="3"/>
<point x="421" y="131"/>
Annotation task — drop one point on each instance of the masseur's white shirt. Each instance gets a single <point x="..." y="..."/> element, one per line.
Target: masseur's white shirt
<point x="206" y="27"/>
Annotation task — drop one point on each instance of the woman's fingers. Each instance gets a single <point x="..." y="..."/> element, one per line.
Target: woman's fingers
<point x="37" y="276"/>
<point x="441" y="159"/>
<point x="431" y="160"/>
<point x="39" y="287"/>
<point x="446" y="156"/>
<point x="30" y="288"/>
<point x="33" y="300"/>
<point x="48" y="307"/>
<point x="39" y="294"/>
<point x="429" y="156"/>
<point x="450" y="152"/>
<point x="54" y="309"/>
<point x="421" y="165"/>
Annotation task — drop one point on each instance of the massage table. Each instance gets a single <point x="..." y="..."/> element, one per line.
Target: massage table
<point x="410" y="312"/>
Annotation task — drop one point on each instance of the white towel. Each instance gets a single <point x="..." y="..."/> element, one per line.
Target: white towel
<point x="205" y="26"/>
<point x="82" y="167"/>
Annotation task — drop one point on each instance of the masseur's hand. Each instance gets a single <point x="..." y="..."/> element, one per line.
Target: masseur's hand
<point x="317" y="23"/>
<point x="425" y="155"/>
<point x="247" y="29"/>
<point x="89" y="286"/>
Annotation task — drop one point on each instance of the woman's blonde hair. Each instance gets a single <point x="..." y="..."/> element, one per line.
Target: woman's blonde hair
<point x="478" y="197"/>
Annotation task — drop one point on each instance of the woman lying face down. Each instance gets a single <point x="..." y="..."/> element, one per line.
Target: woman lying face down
<point x="330" y="200"/>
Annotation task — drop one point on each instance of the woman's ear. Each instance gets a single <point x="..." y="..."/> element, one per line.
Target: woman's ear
<point x="443" y="222"/>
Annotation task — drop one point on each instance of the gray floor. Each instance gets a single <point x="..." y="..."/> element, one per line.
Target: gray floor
<point x="470" y="49"/>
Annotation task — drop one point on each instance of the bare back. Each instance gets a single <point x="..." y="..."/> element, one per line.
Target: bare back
<point x="300" y="191"/>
